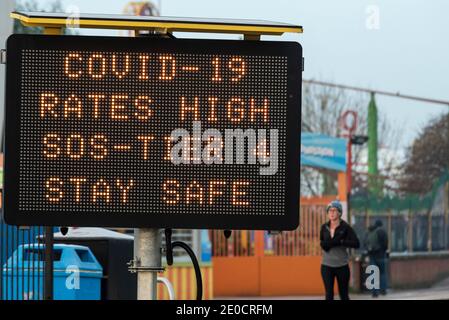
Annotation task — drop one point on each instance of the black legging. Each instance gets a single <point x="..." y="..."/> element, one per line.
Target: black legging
<point x="342" y="275"/>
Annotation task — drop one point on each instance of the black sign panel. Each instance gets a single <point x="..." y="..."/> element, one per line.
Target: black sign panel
<point x="143" y="132"/>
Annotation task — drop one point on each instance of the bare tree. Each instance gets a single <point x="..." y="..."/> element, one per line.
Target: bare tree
<point x="321" y="113"/>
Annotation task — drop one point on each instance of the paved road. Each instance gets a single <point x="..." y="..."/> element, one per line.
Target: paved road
<point x="436" y="292"/>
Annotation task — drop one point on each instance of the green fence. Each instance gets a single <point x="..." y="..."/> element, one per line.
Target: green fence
<point x="414" y="223"/>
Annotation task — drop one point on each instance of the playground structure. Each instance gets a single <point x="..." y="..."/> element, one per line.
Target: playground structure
<point x="258" y="263"/>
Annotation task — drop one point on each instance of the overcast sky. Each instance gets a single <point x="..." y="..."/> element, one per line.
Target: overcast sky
<point x="406" y="51"/>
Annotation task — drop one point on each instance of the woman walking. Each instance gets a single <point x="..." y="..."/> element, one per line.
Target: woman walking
<point x="336" y="236"/>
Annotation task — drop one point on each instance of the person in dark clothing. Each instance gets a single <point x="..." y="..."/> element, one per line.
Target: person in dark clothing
<point x="336" y="236"/>
<point x="376" y="244"/>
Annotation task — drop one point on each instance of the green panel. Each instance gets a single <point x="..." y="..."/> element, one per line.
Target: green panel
<point x="414" y="202"/>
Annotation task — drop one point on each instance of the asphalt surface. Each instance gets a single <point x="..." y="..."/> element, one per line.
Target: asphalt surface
<point x="439" y="291"/>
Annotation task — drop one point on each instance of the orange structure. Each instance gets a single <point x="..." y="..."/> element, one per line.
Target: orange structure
<point x="182" y="277"/>
<point x="250" y="264"/>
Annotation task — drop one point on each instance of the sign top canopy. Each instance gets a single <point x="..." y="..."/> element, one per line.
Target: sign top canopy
<point x="167" y="24"/>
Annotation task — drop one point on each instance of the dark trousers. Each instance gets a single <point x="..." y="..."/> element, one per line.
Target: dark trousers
<point x="342" y="274"/>
<point x="380" y="260"/>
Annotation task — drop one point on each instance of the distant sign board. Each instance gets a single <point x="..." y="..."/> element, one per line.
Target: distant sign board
<point x="142" y="132"/>
<point x="319" y="150"/>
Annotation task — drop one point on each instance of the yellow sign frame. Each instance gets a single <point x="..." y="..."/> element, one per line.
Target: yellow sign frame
<point x="250" y="28"/>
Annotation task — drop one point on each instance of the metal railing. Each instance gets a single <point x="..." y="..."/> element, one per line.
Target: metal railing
<point x="303" y="241"/>
<point x="408" y="231"/>
<point x="168" y="285"/>
<point x="21" y="279"/>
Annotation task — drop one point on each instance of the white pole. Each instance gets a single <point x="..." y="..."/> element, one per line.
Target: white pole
<point x="148" y="262"/>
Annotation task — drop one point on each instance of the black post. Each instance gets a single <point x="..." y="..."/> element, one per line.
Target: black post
<point x="48" y="276"/>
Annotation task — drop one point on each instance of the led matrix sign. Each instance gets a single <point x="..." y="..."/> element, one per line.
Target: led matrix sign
<point x="142" y="132"/>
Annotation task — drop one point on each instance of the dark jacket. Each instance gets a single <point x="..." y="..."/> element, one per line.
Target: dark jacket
<point x="382" y="238"/>
<point x="344" y="236"/>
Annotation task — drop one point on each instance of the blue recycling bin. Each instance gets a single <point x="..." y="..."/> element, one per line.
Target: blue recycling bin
<point x="77" y="273"/>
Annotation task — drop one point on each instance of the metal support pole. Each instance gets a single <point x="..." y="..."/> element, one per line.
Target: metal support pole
<point x="446" y="216"/>
<point x="349" y="166"/>
<point x="147" y="262"/>
<point x="410" y="230"/>
<point x="390" y="228"/>
<point x="429" y="230"/>
<point x="52" y="31"/>
<point x="48" y="269"/>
